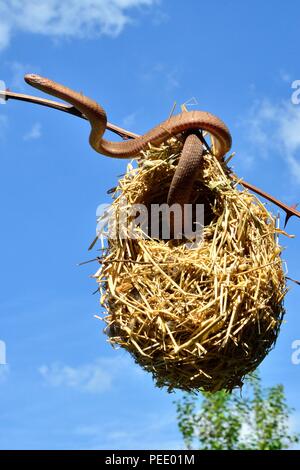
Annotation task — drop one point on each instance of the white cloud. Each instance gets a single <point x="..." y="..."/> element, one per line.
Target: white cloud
<point x="95" y="377"/>
<point x="154" y="427"/>
<point x="4" y="33"/>
<point x="34" y="133"/>
<point x="90" y="378"/>
<point x="129" y="120"/>
<point x="276" y="127"/>
<point x="161" y="74"/>
<point x="68" y="18"/>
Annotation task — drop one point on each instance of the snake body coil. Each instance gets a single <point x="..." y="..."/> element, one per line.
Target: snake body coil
<point x="187" y="121"/>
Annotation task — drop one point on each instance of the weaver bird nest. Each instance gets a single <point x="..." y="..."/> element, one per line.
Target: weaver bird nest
<point x="201" y="317"/>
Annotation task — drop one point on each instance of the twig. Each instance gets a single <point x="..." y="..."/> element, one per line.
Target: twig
<point x="89" y="261"/>
<point x="63" y="107"/>
<point x="290" y="211"/>
<point x="125" y="134"/>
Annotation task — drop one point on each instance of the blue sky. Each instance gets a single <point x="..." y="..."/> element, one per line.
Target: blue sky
<point x="64" y="387"/>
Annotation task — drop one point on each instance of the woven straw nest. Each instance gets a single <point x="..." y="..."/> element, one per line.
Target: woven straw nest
<point x="197" y="318"/>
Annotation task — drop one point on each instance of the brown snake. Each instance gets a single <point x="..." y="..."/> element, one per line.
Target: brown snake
<point x="125" y="134"/>
<point x="192" y="152"/>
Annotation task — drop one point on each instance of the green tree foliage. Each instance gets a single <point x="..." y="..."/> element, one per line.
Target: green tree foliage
<point x="255" y="420"/>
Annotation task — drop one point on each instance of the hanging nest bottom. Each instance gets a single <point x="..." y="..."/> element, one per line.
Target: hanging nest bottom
<point x="201" y="318"/>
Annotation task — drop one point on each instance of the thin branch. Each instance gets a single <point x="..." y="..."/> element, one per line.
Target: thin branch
<point x="290" y="211"/>
<point x="62" y="107"/>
